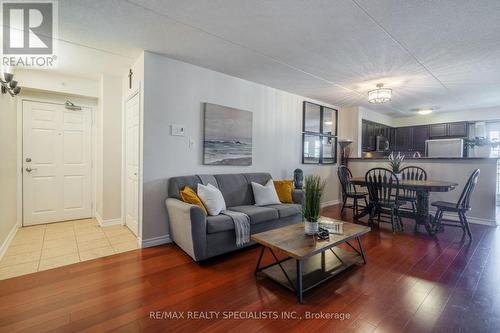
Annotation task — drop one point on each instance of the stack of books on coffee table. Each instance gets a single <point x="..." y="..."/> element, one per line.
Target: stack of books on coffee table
<point x="333" y="226"/>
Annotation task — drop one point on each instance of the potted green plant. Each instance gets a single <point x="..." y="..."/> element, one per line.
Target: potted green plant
<point x="480" y="146"/>
<point x="395" y="163"/>
<point x="313" y="187"/>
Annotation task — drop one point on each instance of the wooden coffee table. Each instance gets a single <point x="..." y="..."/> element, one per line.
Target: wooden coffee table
<point x="310" y="261"/>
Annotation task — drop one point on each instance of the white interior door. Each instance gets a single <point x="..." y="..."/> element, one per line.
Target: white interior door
<point x="131" y="196"/>
<point x="56" y="163"/>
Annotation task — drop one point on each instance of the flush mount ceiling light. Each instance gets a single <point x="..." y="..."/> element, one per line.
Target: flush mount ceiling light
<point x="380" y="95"/>
<point x="424" y="111"/>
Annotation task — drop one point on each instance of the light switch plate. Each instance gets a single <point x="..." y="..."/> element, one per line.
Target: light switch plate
<point x="177" y="130"/>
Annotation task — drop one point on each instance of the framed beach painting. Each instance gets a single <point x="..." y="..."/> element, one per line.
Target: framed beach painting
<point x="227" y="136"/>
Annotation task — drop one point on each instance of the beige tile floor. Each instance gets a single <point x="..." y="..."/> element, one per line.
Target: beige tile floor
<point x="42" y="247"/>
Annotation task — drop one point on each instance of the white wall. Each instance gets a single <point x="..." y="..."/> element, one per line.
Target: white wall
<point x="458" y="171"/>
<point x="57" y="83"/>
<point x="109" y="148"/>
<point x="349" y="128"/>
<point x="175" y="93"/>
<point x="376" y="117"/>
<point x="8" y="166"/>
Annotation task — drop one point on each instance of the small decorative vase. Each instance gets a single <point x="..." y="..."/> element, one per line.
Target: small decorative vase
<point x="298" y="178"/>
<point x="311" y="228"/>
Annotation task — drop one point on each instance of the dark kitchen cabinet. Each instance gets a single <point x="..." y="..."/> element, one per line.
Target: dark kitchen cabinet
<point x="370" y="131"/>
<point x="403" y="138"/>
<point x="371" y="142"/>
<point x="438" y="130"/>
<point x="364" y="135"/>
<point x="420" y="134"/>
<point x="457" y="129"/>
<point x="454" y="130"/>
<point x="410" y="138"/>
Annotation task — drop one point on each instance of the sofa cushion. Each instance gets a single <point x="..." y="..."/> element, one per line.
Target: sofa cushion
<point x="235" y="189"/>
<point x="189" y="195"/>
<point x="212" y="199"/>
<point x="219" y="223"/>
<point x="257" y="177"/>
<point x="257" y="214"/>
<point x="284" y="190"/>
<point x="177" y="184"/>
<point x="265" y="194"/>
<point x="286" y="210"/>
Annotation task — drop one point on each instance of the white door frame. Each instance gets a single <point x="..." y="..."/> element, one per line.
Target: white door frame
<point x="128" y="97"/>
<point x="20" y="164"/>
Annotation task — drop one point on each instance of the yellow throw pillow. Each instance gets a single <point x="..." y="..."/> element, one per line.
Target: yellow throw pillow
<point x="189" y="195"/>
<point x="284" y="190"/>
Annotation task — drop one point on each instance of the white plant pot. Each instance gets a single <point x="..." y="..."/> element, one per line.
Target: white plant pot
<point x="311" y="228"/>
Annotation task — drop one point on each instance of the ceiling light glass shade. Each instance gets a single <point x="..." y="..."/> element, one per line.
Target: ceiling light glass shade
<point x="380" y="95"/>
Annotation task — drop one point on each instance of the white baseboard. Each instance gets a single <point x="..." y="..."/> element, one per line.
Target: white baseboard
<point x="98" y="218"/>
<point x="155" y="241"/>
<point x="471" y="219"/>
<point x="107" y="223"/>
<point x="330" y="203"/>
<point x="8" y="240"/>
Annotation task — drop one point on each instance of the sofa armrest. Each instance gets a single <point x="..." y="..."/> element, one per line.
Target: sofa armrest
<point x="188" y="227"/>
<point x="298" y="196"/>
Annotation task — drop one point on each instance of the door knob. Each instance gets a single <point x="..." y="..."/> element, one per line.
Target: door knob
<point x="28" y="169"/>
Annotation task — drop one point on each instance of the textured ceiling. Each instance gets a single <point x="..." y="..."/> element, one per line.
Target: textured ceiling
<point x="443" y="54"/>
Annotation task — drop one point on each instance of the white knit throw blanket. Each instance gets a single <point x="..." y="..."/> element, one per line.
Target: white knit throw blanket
<point x="241" y="226"/>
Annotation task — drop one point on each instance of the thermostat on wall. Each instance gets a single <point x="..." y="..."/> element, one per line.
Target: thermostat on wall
<point x="177" y="130"/>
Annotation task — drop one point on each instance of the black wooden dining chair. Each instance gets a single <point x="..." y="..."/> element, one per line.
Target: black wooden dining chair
<point x="349" y="191"/>
<point x="383" y="191"/>
<point x="460" y="208"/>
<point x="411" y="173"/>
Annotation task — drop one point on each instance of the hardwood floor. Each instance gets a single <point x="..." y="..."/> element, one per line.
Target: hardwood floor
<point x="412" y="283"/>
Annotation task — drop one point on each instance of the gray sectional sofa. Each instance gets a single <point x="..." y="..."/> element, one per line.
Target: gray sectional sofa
<point x="202" y="236"/>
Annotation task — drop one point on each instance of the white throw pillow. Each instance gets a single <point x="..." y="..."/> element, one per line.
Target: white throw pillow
<point x="265" y="195"/>
<point x="212" y="199"/>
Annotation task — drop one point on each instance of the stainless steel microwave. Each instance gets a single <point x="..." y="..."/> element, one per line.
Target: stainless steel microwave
<point x="382" y="143"/>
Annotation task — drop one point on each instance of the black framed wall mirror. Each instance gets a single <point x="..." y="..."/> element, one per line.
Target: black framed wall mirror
<point x="319" y="134"/>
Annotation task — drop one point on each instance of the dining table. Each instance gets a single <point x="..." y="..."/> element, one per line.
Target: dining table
<point x="422" y="188"/>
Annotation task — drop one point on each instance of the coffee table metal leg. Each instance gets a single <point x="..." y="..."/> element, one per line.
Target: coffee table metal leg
<point x="362" y="249"/>
<point x="257" y="268"/>
<point x="298" y="288"/>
